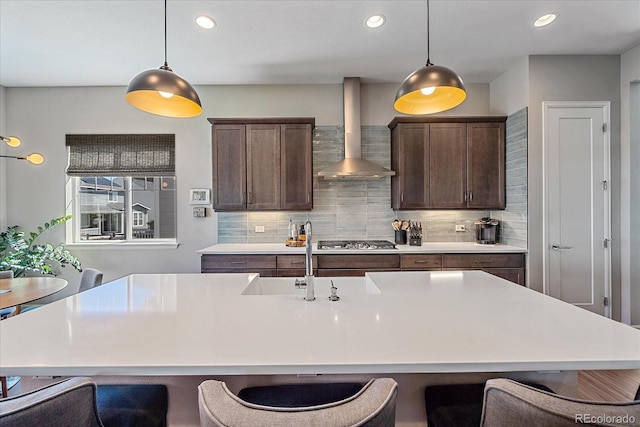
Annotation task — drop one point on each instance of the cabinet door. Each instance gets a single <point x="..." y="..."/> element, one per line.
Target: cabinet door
<point x="448" y="165"/>
<point x="263" y="167"/>
<point x="410" y="160"/>
<point x="229" y="167"/>
<point x="486" y="165"/>
<point x="296" y="181"/>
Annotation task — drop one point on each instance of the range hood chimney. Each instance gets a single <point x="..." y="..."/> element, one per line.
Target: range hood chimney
<point x="353" y="166"/>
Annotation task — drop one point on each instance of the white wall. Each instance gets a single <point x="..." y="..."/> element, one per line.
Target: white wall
<point x="43" y="116"/>
<point x="510" y="91"/>
<point x="630" y="185"/>
<point x="571" y="78"/>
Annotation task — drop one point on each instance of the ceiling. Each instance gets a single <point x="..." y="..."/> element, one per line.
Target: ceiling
<point x="107" y="42"/>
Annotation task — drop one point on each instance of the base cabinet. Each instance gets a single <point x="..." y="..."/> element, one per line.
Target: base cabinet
<point x="509" y="266"/>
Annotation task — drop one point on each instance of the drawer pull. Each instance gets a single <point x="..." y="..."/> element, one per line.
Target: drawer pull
<point x="296" y="262"/>
<point x="239" y="262"/>
<point x="421" y="262"/>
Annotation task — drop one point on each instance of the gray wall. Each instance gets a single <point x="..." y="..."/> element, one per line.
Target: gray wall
<point x="571" y="78"/>
<point x="630" y="184"/>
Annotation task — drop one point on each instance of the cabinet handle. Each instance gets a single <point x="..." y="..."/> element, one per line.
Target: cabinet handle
<point x="249" y="198"/>
<point x="465" y="197"/>
<point x="470" y="196"/>
<point x="308" y="196"/>
<point x="402" y="197"/>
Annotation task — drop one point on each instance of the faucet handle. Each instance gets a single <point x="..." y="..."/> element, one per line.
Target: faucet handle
<point x="300" y="283"/>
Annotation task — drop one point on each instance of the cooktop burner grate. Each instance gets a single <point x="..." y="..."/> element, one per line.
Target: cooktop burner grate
<point x="355" y="244"/>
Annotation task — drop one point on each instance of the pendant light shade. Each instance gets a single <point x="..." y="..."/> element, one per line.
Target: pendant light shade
<point x="161" y="91"/>
<point x="430" y="89"/>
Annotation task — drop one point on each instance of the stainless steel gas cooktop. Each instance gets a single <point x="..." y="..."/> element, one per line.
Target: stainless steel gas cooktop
<point x="355" y="244"/>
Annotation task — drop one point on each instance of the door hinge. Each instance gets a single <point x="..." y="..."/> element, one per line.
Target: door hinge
<point x="606" y="301"/>
<point x="605" y="184"/>
<point x="606" y="243"/>
<point x="604" y="127"/>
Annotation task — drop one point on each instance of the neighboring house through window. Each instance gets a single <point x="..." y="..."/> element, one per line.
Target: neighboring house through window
<point x="121" y="187"/>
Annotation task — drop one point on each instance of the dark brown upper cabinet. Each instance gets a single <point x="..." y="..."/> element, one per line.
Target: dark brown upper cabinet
<point x="448" y="163"/>
<point x="262" y="164"/>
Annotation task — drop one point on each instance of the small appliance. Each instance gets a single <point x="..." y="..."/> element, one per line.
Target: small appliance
<point x="486" y="229"/>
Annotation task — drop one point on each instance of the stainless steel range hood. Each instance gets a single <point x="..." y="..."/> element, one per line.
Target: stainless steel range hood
<point x="353" y="166"/>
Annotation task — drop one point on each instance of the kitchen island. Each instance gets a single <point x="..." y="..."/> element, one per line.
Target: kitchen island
<point x="414" y="326"/>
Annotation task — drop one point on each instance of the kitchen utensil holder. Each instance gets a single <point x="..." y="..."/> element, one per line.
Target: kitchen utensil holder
<point x="401" y="237"/>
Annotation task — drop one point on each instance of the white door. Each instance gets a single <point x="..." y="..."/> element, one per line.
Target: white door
<point x="577" y="184"/>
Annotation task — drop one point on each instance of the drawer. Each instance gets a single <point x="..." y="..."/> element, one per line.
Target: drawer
<point x="263" y="272"/>
<point x="238" y="262"/>
<point x="421" y="262"/>
<point x="294" y="261"/>
<point x="479" y="261"/>
<point x="374" y="262"/>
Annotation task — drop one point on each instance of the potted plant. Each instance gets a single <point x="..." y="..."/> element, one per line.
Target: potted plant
<point x="20" y="254"/>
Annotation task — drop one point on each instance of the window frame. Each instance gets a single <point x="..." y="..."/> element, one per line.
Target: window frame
<point x="74" y="226"/>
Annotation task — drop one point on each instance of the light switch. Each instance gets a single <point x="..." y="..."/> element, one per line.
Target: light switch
<point x="199" y="212"/>
<point x="259" y="229"/>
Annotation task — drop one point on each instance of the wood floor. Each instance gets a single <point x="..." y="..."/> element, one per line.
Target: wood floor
<point x="608" y="386"/>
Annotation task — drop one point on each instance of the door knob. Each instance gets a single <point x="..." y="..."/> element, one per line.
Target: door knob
<point x="558" y="247"/>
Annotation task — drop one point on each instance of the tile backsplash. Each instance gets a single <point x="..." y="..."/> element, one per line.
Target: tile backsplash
<point x="356" y="209"/>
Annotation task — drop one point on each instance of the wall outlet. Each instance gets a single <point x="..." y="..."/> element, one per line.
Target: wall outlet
<point x="460" y="227"/>
<point x="259" y="229"/>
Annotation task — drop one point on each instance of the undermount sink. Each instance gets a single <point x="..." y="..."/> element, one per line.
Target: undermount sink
<point x="347" y="286"/>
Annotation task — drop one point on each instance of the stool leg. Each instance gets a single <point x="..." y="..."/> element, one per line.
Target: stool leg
<point x="5" y="391"/>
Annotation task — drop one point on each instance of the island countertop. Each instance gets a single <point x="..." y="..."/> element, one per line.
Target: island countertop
<point x="416" y="322"/>
<point x="427" y="247"/>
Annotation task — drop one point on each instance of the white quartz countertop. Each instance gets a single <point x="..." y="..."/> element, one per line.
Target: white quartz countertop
<point x="409" y="322"/>
<point x="428" y="247"/>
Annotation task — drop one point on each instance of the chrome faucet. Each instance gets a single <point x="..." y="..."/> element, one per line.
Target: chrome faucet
<point x="308" y="265"/>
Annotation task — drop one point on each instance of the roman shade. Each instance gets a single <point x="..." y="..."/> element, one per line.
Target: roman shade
<point x="136" y="155"/>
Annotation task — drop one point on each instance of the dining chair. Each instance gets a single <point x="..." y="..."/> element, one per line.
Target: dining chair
<point x="374" y="404"/>
<point x="90" y="279"/>
<point x="71" y="402"/>
<point x="507" y="403"/>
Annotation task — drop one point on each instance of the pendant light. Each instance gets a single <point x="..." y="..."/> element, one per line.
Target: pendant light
<point x="161" y="91"/>
<point x="33" y="158"/>
<point x="11" y="141"/>
<point x="430" y="89"/>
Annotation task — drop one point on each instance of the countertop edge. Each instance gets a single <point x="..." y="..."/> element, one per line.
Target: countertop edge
<point x="427" y="248"/>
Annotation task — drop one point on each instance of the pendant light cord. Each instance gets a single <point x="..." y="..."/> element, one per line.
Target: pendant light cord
<point x="165" y="33"/>
<point x="428" y="31"/>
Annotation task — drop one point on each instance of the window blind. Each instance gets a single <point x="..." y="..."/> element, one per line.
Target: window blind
<point x="136" y="155"/>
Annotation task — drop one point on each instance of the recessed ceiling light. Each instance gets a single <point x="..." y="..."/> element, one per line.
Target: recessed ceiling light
<point x="205" y="22"/>
<point x="375" y="21"/>
<point x="545" y="20"/>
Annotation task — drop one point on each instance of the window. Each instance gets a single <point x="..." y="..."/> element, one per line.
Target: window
<point x="112" y="196"/>
<point x="121" y="188"/>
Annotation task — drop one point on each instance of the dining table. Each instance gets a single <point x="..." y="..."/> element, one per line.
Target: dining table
<point x="23" y="290"/>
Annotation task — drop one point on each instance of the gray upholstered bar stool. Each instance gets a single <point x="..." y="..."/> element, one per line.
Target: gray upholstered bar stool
<point x="457" y="405"/>
<point x="374" y="404"/>
<point x="508" y="403"/>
